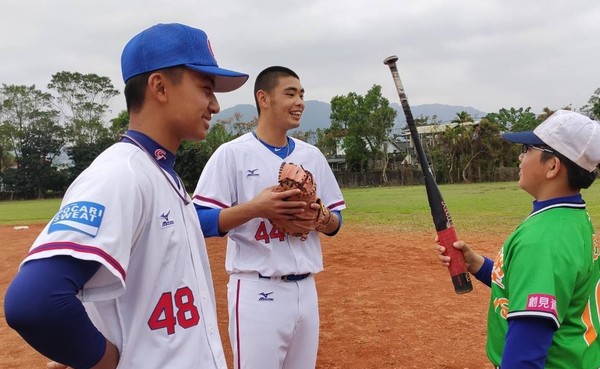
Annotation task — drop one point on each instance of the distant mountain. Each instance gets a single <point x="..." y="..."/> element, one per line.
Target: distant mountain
<point x="247" y="111"/>
<point x="316" y="113"/>
<point x="444" y="113"/>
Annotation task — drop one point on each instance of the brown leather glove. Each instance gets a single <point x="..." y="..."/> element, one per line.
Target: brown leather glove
<point x="292" y="176"/>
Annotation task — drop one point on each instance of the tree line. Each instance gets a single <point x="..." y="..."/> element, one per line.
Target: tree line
<point x="48" y="138"/>
<point x="466" y="150"/>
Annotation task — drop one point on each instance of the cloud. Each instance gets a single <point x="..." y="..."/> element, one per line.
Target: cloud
<point x="487" y="54"/>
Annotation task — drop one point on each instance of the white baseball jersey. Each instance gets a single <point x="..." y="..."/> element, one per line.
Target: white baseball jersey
<point x="235" y="174"/>
<point x="273" y="323"/>
<point x="153" y="295"/>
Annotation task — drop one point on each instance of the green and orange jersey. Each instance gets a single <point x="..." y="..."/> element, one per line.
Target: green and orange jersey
<point x="549" y="268"/>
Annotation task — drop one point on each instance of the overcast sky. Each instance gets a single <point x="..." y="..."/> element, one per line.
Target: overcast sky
<point x="487" y="54"/>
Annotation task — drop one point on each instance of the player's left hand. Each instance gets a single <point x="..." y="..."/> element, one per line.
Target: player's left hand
<point x="473" y="260"/>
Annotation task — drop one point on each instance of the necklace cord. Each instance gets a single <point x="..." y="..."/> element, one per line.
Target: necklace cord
<point x="185" y="199"/>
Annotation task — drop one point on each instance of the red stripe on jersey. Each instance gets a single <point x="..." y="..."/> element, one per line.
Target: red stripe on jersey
<point x="336" y="204"/>
<point x="80" y="248"/>
<point x="209" y="200"/>
<point x="237" y="324"/>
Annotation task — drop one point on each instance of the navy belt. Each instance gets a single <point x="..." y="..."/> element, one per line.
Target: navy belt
<point x="289" y="277"/>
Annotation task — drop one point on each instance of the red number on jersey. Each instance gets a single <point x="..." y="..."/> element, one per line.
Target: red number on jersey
<point x="163" y="315"/>
<point x="187" y="313"/>
<point x="262" y="235"/>
<point x="276" y="233"/>
<point x="164" y="307"/>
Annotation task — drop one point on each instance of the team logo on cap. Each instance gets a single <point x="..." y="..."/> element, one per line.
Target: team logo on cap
<point x="160" y="154"/>
<point x="210" y="48"/>
<point x="82" y="216"/>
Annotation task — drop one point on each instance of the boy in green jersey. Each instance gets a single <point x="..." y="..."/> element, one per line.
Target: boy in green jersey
<point x="545" y="280"/>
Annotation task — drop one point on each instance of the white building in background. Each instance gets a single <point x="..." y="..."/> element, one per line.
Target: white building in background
<point x="427" y="136"/>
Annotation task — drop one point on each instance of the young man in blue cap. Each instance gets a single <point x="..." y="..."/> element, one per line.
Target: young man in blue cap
<point x="120" y="276"/>
<point x="544" y="310"/>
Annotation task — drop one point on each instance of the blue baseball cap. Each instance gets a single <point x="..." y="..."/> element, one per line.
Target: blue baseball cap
<point x="526" y="137"/>
<point x="169" y="45"/>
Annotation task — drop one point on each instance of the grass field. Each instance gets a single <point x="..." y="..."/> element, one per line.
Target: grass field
<point x="27" y="212"/>
<point x="387" y="236"/>
<point x="501" y="205"/>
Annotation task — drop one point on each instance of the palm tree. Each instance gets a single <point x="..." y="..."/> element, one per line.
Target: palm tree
<point x="462" y="117"/>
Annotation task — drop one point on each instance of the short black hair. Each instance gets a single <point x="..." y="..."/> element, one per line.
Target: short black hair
<point x="135" y="87"/>
<point x="267" y="80"/>
<point x="578" y="177"/>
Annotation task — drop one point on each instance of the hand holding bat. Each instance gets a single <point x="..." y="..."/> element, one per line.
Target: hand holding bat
<point x="473" y="260"/>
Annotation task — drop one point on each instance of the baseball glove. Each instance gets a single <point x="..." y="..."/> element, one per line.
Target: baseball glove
<point x="292" y="176"/>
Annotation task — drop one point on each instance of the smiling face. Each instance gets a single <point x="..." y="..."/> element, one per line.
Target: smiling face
<point x="285" y="103"/>
<point x="191" y="104"/>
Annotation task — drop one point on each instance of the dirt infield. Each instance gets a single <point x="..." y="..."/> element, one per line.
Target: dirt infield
<point x="384" y="301"/>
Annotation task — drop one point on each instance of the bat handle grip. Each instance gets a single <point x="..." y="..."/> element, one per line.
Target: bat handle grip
<point x="458" y="267"/>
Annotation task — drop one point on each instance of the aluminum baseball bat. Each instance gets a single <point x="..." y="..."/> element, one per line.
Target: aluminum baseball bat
<point x="439" y="212"/>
